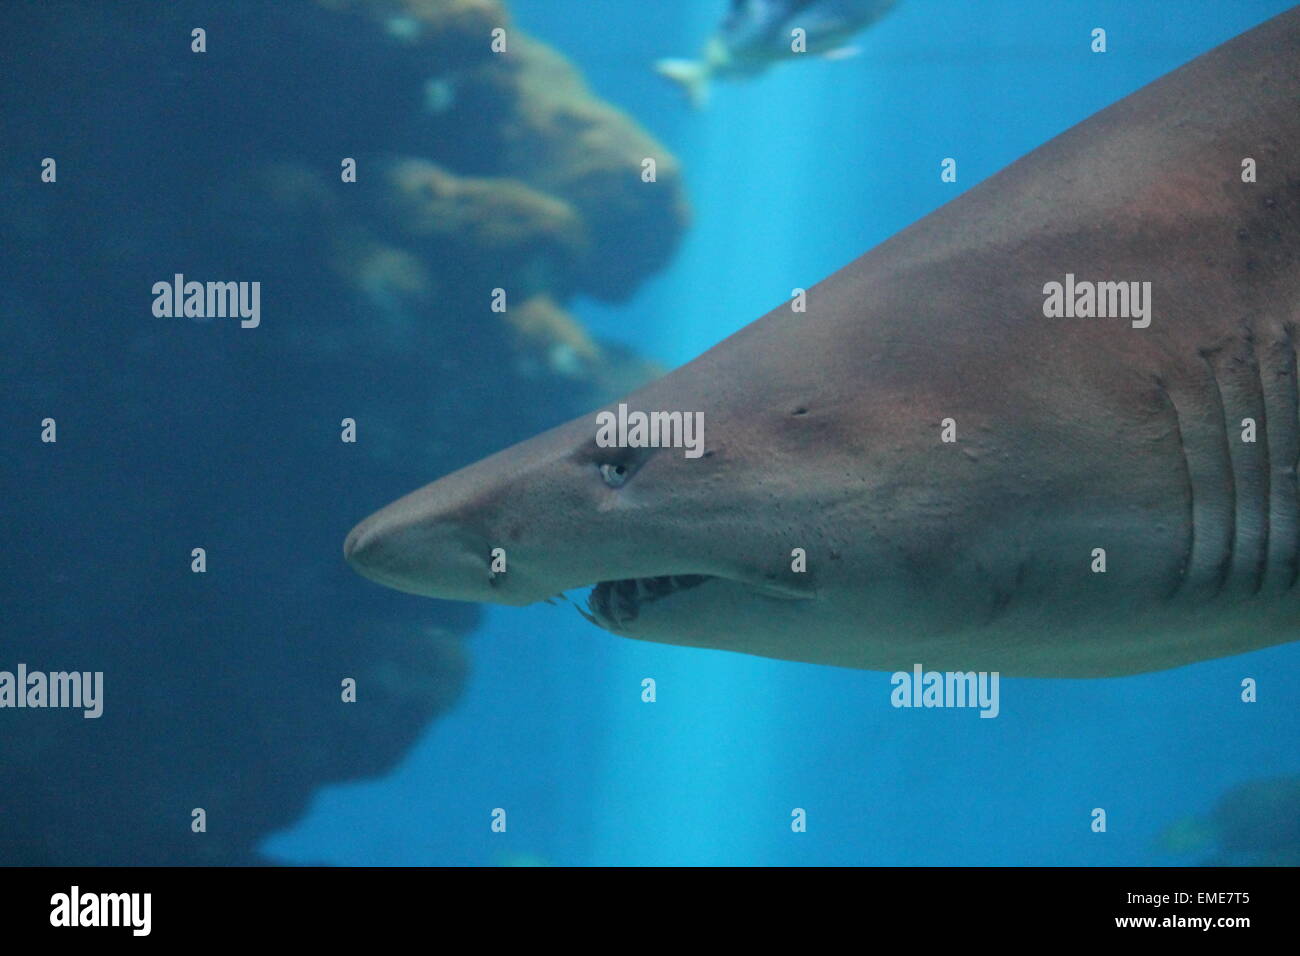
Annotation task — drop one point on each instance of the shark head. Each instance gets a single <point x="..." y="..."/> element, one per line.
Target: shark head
<point x="789" y="528"/>
<point x="660" y="537"/>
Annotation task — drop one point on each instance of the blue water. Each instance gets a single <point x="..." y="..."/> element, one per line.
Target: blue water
<point x="791" y="176"/>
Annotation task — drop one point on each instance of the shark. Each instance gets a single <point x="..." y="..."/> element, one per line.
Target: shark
<point x="954" y="454"/>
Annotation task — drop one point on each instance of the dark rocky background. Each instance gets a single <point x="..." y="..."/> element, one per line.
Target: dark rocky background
<point x="222" y="689"/>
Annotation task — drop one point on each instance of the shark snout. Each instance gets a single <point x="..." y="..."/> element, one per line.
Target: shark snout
<point x="380" y="548"/>
<point x="422" y="551"/>
<point x="364" y="546"/>
<point x="524" y="525"/>
<point x="465" y="537"/>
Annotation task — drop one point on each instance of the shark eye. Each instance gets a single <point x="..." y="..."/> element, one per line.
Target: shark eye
<point x="614" y="475"/>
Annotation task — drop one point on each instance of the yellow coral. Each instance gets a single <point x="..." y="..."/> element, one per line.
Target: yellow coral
<point x="545" y="325"/>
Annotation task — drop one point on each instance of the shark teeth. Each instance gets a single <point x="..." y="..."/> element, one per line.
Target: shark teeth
<point x="617" y="603"/>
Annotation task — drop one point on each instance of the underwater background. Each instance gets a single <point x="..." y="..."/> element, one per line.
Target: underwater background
<point x="222" y="687"/>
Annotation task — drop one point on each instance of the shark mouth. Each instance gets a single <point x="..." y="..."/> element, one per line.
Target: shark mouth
<point x="614" y="604"/>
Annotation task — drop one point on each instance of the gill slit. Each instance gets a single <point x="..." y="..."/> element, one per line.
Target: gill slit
<point x="1225" y="564"/>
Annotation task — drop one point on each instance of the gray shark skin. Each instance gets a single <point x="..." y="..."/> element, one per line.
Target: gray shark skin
<point x="822" y="429"/>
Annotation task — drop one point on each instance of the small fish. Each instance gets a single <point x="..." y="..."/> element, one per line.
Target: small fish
<point x="758" y="33"/>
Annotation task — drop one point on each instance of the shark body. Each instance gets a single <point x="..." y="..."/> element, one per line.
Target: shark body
<point x="1077" y="437"/>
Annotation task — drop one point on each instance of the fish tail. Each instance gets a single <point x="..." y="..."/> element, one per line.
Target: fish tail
<point x="691" y="75"/>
